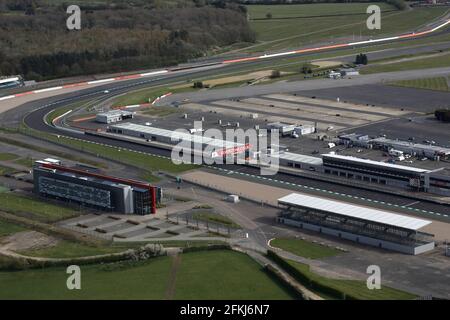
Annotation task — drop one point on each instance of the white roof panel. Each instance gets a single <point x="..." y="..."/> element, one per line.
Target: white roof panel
<point x="352" y="210"/>
<point x="296" y="157"/>
<point x="373" y="162"/>
<point x="174" y="135"/>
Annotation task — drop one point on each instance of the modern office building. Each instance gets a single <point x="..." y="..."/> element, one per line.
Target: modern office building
<point x="364" y="225"/>
<point x="95" y="190"/>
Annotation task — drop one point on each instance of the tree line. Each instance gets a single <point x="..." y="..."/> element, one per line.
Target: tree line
<point x="115" y="36"/>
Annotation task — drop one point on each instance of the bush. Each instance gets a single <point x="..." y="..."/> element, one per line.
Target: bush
<point x="306" y="68"/>
<point x="442" y="115"/>
<point x="275" y="74"/>
<point x="361" y="59"/>
<point x="198" y="85"/>
<point x="276" y="275"/>
<point x="207" y="248"/>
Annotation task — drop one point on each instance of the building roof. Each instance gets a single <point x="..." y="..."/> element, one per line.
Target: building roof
<point x="354" y="211"/>
<point x="412" y="145"/>
<point x="11" y="79"/>
<point x="299" y="158"/>
<point x="375" y="163"/>
<point x="118" y="112"/>
<point x="177" y="135"/>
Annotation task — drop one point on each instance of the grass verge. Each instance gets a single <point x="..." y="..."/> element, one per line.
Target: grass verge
<point x="8" y="228"/>
<point x="34" y="208"/>
<point x="437" y="83"/>
<point x="351" y="288"/>
<point x="425" y="63"/>
<point x="304" y="248"/>
<point x="70" y="249"/>
<point x="214" y="218"/>
<point x="8" y="156"/>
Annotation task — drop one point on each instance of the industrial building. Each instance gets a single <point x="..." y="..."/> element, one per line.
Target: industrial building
<point x="349" y="72"/>
<point x="94" y="190"/>
<point x="415" y="149"/>
<point x="283" y="128"/>
<point x="221" y="147"/>
<point x="113" y="116"/>
<point x="304" y="129"/>
<point x="369" y="226"/>
<point x="298" y="161"/>
<point x="10" y="82"/>
<point x="354" y="140"/>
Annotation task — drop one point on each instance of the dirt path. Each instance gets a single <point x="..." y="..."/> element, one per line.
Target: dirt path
<point x="170" y="291"/>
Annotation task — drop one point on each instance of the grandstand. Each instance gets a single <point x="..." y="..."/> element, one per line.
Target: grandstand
<point x="369" y="226"/>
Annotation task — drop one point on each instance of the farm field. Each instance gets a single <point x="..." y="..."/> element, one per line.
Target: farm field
<point x="293" y="26"/>
<point x="196" y="275"/>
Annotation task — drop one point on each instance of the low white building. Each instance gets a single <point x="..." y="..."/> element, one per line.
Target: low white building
<point x="304" y="129"/>
<point x="113" y="116"/>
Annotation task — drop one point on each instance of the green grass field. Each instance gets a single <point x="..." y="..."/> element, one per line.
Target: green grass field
<point x="40" y="210"/>
<point x="5" y="170"/>
<point x="54" y="153"/>
<point x="425" y="63"/>
<point x="146" y="162"/>
<point x="198" y="275"/>
<point x="355" y="288"/>
<point x="438" y="83"/>
<point x="146" y="95"/>
<point x="203" y="215"/>
<point x="293" y="26"/>
<point x="26" y="162"/>
<point x="304" y="248"/>
<point x="7" y="228"/>
<point x="8" y="156"/>
<point x="160" y="111"/>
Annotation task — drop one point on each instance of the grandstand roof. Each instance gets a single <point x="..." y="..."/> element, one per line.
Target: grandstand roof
<point x="375" y="163"/>
<point x="352" y="210"/>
